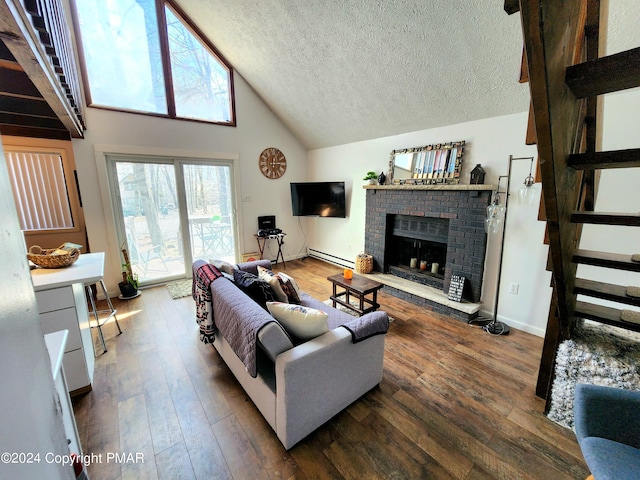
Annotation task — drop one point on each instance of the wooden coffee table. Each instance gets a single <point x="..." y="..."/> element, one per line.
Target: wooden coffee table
<point x="359" y="288"/>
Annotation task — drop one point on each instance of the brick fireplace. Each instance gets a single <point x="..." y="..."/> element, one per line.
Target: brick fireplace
<point x="441" y="224"/>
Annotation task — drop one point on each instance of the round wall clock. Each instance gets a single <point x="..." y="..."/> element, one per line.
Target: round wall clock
<point x="272" y="163"/>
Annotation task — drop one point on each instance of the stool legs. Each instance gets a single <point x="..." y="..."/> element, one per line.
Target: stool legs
<point x="95" y="312"/>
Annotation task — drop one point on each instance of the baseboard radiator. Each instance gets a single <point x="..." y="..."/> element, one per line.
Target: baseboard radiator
<point x="327" y="257"/>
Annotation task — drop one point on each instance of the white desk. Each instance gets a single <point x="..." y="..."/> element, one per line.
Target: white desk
<point x="56" y="344"/>
<point x="63" y="306"/>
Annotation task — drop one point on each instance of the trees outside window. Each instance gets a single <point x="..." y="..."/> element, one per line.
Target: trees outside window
<point x="147" y="56"/>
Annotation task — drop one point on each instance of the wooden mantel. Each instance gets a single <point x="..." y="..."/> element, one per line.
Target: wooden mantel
<point x="440" y="186"/>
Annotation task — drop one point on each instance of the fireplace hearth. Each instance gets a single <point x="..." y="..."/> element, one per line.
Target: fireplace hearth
<point x="442" y="224"/>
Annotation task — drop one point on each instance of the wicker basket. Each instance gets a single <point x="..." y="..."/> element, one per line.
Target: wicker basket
<point x="364" y="263"/>
<point x="43" y="258"/>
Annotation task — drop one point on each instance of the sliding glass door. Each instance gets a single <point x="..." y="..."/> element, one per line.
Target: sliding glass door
<point x="210" y="216"/>
<point x="170" y="212"/>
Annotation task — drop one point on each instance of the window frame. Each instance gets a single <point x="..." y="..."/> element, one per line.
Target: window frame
<point x="166" y="65"/>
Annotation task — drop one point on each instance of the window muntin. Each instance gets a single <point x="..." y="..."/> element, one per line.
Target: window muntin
<point x="136" y="61"/>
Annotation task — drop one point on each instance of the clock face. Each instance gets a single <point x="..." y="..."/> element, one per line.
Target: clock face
<point x="272" y="163"/>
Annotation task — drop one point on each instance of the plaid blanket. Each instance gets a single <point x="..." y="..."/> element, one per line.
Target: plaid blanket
<point x="203" y="274"/>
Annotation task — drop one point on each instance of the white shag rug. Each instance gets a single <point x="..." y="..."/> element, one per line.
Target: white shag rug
<point x="598" y="354"/>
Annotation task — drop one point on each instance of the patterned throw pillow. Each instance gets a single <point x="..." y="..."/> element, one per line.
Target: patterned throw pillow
<point x="292" y="295"/>
<point x="259" y="290"/>
<point x="299" y="321"/>
<point x="276" y="283"/>
<point x="290" y="286"/>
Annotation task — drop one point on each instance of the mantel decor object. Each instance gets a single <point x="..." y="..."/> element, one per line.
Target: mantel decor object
<point x="371" y="177"/>
<point x="477" y="175"/>
<point x="427" y="165"/>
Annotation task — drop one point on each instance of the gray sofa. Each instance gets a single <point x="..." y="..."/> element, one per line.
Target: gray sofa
<point x="607" y="426"/>
<point x="299" y="386"/>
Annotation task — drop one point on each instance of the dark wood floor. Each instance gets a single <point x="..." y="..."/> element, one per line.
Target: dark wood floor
<point x="454" y="402"/>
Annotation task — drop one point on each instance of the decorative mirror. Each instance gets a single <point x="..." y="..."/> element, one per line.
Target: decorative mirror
<point x="427" y="165"/>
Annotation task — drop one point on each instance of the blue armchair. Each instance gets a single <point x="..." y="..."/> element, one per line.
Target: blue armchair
<point x="607" y="425"/>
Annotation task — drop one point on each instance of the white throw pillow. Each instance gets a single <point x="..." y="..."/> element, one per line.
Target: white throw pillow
<point x="301" y="322"/>
<point x="272" y="279"/>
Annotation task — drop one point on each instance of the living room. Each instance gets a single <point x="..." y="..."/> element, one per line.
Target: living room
<point x="490" y="142"/>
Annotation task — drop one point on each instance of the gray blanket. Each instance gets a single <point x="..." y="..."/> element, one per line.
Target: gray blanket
<point x="361" y="328"/>
<point x="238" y="320"/>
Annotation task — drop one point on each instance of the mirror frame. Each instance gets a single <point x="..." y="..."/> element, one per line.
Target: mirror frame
<point x="440" y="163"/>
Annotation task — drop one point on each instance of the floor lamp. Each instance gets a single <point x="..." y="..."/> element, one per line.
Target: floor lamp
<point x="496" y="218"/>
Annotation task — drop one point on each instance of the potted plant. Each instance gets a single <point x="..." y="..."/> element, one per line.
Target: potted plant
<point x="129" y="284"/>
<point x="371" y="178"/>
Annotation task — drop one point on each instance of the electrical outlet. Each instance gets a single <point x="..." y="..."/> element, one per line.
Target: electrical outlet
<point x="246" y="198"/>
<point x="513" y="288"/>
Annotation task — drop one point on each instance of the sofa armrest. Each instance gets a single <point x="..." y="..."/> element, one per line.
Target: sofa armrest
<point x="606" y="412"/>
<point x="319" y="378"/>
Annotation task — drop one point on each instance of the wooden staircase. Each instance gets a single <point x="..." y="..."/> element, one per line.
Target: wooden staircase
<point x="566" y="75"/>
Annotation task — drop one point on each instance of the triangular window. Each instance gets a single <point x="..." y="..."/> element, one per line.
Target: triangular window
<point x="147" y="56"/>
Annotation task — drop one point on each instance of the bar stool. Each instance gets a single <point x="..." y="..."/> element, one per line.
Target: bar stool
<point x="96" y="313"/>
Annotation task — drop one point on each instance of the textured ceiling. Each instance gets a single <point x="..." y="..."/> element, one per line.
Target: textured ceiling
<point x="339" y="71"/>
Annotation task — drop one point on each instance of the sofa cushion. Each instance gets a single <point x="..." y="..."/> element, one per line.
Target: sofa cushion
<point x="301" y="322"/>
<point x="258" y="290"/>
<point x="273" y="279"/>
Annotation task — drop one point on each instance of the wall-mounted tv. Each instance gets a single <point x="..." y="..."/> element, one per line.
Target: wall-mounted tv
<point x="318" y="199"/>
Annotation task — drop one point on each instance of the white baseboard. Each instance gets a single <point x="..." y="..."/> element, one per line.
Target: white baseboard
<point x="523" y="327"/>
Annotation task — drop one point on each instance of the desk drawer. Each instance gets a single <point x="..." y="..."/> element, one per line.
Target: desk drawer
<point x="75" y="369"/>
<point x="55" y="299"/>
<point x="65" y="319"/>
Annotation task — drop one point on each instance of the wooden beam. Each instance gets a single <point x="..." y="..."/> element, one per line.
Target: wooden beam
<point x="26" y="106"/>
<point x="557" y="115"/>
<point x="33" y="132"/>
<point x="30" y="121"/>
<point x="530" y="138"/>
<point x="605" y="291"/>
<point x="23" y="42"/>
<point x="552" y="339"/>
<point x="605" y="75"/>
<point x="607" y="218"/>
<point x="606" y="315"/>
<point x="605" y="259"/>
<point x="603" y="160"/>
<point x="15" y="82"/>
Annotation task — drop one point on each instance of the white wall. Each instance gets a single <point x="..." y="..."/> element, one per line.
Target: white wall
<point x="257" y="128"/>
<point x="489" y="142"/>
<point x="30" y="419"/>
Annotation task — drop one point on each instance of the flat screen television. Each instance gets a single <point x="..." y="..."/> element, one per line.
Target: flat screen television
<point x="318" y="199"/>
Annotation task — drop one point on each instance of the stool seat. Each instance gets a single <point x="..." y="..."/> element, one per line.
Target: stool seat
<point x="96" y="313"/>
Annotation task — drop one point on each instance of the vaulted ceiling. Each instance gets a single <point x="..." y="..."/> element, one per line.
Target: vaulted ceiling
<point x="340" y="71"/>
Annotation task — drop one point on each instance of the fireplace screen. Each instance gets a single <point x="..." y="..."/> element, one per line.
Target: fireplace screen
<point x="417" y="248"/>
